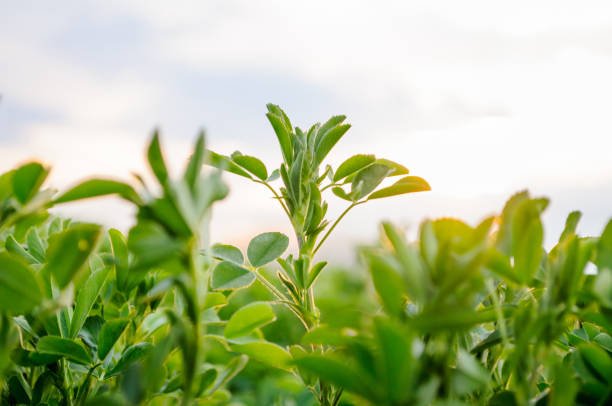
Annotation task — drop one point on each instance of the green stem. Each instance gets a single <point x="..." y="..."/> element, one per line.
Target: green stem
<point x="85" y="387"/>
<point x="331" y="185"/>
<point x="335" y="224"/>
<point x="276" y="195"/>
<point x="198" y="292"/>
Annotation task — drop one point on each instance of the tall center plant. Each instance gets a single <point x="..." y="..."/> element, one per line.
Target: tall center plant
<point x="304" y="181"/>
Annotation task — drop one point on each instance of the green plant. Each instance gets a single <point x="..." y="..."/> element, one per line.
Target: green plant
<point x="301" y="198"/>
<point x="96" y="314"/>
<point x="480" y="316"/>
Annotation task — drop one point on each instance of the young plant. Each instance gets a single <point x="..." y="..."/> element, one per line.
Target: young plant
<point x="43" y="262"/>
<point x="301" y="197"/>
<point x="166" y="241"/>
<point x="87" y="316"/>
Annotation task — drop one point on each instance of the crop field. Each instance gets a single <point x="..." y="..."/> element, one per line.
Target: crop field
<point x="466" y="314"/>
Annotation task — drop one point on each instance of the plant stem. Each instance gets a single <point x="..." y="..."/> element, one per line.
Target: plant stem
<point x="276" y="195"/>
<point x="334" y="225"/>
<point x="198" y="292"/>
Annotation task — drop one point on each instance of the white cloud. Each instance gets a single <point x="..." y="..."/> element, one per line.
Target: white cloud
<point x="480" y="98"/>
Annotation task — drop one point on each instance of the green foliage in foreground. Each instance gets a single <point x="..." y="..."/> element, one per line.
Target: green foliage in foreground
<point x="464" y="315"/>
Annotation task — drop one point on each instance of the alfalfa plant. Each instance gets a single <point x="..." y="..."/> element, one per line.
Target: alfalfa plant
<point x="170" y="232"/>
<point x="480" y="316"/>
<point x="304" y="181"/>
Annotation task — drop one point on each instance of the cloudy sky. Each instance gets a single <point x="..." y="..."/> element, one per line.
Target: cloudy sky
<point x="480" y="98"/>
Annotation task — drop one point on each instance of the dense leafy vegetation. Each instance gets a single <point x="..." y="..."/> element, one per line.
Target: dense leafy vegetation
<point x="464" y="315"/>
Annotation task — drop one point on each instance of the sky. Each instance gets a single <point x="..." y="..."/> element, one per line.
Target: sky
<point x="481" y="98"/>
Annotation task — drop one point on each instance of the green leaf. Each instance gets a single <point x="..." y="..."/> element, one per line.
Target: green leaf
<point x="338" y="191"/>
<point x="29" y="359"/>
<point x="35" y="245"/>
<point x="409" y="184"/>
<point x="367" y="179"/>
<point x="338" y="373"/>
<point x="99" y="187"/>
<point x="282" y="132"/>
<point x="328" y="140"/>
<point x="225" y="163"/>
<point x="598" y="359"/>
<point x="314" y="272"/>
<point x="473" y="369"/>
<point x="408" y="256"/>
<point x="153" y="322"/>
<point x="266" y="247"/>
<point x="397" y="169"/>
<point x="85" y="300"/>
<point x="453" y="319"/>
<point x="231" y="369"/>
<point x="12" y="246"/>
<point x="564" y="386"/>
<point x="227" y="253"/>
<point x="194" y="166"/>
<point x="207" y="379"/>
<point x="396" y="363"/>
<point x="388" y="284"/>
<point x="321" y="131"/>
<point x="25" y="326"/>
<point x="151" y="244"/>
<point x="604" y="340"/>
<point x="19" y="286"/>
<point x="248" y="318"/>
<point x="65" y="348"/>
<point x="120" y="254"/>
<point x="69" y="250"/>
<point x="6" y="184"/>
<point x="214" y="299"/>
<point x="132" y="354"/>
<point x="295" y="177"/>
<point x="266" y="353"/>
<point x="109" y="334"/>
<point x="253" y="165"/>
<point x="570" y="225"/>
<point x="527" y="238"/>
<point x="228" y="275"/>
<point x="27" y="179"/>
<point x="156" y="160"/>
<point x="273" y="176"/>
<point x="604" y="248"/>
<point x="352" y="165"/>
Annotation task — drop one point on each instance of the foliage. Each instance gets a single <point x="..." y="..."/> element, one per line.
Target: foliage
<point x="464" y="315"/>
<point x="301" y="198"/>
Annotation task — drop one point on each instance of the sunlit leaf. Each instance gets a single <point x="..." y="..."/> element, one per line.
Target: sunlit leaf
<point x="352" y="165"/>
<point x="27" y="179"/>
<point x="99" y="187"/>
<point x="409" y="184"/>
<point x="253" y="165"/>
